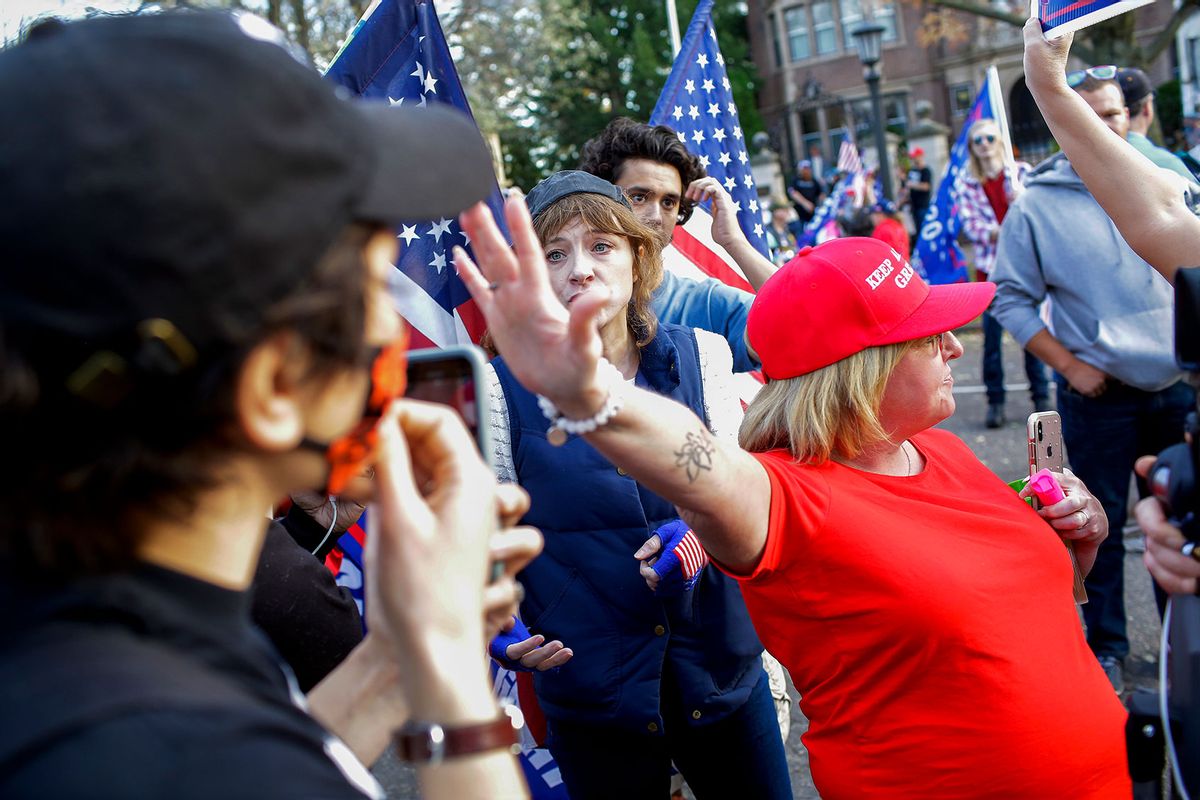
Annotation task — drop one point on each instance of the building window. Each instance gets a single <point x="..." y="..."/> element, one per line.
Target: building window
<point x="961" y="97"/>
<point x="885" y="15"/>
<point x="772" y="25"/>
<point x="1193" y="61"/>
<point x="824" y="27"/>
<point x="895" y="111"/>
<point x="852" y="14"/>
<point x="796" y="21"/>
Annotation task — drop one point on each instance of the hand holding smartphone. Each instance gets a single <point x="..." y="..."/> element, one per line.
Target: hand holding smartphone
<point x="453" y="376"/>
<point x="1044" y="434"/>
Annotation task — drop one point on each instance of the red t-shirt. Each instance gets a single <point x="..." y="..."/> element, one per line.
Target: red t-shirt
<point x="928" y="625"/>
<point x="994" y="189"/>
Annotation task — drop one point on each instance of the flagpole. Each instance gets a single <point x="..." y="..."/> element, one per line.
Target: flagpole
<point x="673" y="27"/>
<point x="997" y="100"/>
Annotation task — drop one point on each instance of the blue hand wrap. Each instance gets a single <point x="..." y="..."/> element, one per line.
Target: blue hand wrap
<point x="682" y="559"/>
<point x="498" y="648"/>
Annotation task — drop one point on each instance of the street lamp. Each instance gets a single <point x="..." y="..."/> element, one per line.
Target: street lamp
<point x="868" y="38"/>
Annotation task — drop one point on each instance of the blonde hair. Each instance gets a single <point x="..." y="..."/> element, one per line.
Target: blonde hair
<point x="975" y="164"/>
<point x="602" y="214"/>
<point x="831" y="411"/>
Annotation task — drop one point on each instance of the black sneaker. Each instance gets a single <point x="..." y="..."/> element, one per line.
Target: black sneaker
<point x="1114" y="670"/>
<point x="995" y="416"/>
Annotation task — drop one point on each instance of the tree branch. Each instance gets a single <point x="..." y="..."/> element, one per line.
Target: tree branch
<point x="1167" y="35"/>
<point x="980" y="10"/>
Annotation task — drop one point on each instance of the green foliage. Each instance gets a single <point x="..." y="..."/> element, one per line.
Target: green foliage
<point x="1168" y="108"/>
<point x="543" y="75"/>
<point x="576" y="64"/>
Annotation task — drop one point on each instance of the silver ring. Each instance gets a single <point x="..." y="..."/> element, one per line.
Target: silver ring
<point x="1086" y="519"/>
<point x="494" y="285"/>
<point x="1189" y="549"/>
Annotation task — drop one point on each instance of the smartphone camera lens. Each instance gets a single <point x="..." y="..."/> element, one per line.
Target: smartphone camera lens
<point x="1039" y="431"/>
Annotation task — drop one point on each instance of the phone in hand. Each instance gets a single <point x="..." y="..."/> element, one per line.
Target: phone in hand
<point x="1044" y="433"/>
<point x="1044" y="430"/>
<point x="453" y="376"/>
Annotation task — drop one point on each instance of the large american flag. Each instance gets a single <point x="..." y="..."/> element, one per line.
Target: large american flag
<point x="398" y="54"/>
<point x="697" y="102"/>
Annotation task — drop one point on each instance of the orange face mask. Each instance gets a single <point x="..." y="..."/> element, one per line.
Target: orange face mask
<point x="350" y="454"/>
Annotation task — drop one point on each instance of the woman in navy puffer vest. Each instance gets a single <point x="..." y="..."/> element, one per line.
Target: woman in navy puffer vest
<point x="654" y="679"/>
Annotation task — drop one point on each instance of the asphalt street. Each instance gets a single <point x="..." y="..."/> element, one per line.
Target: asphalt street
<point x="1003" y="451"/>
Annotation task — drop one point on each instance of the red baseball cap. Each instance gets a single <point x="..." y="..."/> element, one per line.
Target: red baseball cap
<point x="916" y="151"/>
<point x="841" y="297"/>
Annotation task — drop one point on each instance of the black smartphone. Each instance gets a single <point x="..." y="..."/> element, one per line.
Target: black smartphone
<point x="453" y="376"/>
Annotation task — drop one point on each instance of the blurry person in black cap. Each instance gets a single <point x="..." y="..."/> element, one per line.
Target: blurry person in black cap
<point x="196" y="322"/>
<point x="666" y="666"/>
<point x="1139" y="101"/>
<point x="806" y="192"/>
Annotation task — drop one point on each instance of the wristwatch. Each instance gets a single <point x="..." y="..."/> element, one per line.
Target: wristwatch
<point x="430" y="743"/>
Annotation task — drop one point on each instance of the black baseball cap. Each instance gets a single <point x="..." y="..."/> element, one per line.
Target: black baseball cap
<point x="1134" y="85"/>
<point x="185" y="167"/>
<point x="567" y="182"/>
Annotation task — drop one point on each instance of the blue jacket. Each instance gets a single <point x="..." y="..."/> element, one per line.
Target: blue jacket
<point x="585" y="588"/>
<point x="710" y="306"/>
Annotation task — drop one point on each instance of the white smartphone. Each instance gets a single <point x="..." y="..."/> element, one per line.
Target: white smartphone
<point x="1044" y="430"/>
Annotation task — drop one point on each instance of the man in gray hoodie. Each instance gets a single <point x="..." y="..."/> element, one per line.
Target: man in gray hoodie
<point x="1109" y="341"/>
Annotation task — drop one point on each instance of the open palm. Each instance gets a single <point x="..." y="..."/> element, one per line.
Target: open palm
<point x="552" y="351"/>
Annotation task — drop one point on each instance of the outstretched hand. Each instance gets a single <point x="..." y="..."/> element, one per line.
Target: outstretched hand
<point x="552" y="351"/>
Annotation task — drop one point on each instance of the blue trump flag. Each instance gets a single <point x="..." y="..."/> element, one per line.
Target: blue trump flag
<point x="397" y="54"/>
<point x="1060" y="17"/>
<point x="697" y="102"/>
<point x="937" y="255"/>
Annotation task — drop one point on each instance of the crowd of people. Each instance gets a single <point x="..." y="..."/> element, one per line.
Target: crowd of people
<point x="196" y="323"/>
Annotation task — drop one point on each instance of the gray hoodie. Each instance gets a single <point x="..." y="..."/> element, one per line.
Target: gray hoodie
<point x="1107" y="306"/>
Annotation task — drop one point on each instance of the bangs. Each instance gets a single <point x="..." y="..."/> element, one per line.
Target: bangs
<point x="597" y="212"/>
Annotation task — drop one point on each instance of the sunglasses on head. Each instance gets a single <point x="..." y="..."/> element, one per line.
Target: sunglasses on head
<point x="983" y="137"/>
<point x="1107" y="72"/>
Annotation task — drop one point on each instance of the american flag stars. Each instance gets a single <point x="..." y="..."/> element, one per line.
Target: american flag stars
<point x="698" y="104"/>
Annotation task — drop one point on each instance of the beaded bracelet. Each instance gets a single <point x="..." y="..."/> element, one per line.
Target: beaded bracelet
<point x="560" y="426"/>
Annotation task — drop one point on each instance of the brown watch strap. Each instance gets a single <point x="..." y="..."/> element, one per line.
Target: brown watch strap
<point x="431" y="743"/>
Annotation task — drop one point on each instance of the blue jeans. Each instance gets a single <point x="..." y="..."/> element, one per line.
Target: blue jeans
<point x="741" y="755"/>
<point x="1104" y="435"/>
<point x="993" y="365"/>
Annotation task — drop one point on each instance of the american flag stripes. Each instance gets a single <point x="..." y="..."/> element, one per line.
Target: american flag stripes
<point x="697" y="102"/>
<point x="848" y="158"/>
<point x="691" y="555"/>
<point x="398" y="54"/>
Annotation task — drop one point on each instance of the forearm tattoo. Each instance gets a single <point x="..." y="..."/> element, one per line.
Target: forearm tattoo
<point x="696" y="454"/>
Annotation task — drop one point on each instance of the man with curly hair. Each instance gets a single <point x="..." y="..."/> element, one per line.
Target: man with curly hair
<point x="664" y="182"/>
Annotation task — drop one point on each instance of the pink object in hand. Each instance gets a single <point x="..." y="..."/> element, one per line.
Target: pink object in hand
<point x="1045" y="487"/>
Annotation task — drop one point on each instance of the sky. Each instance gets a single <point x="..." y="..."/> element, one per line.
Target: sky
<point x="14" y="13"/>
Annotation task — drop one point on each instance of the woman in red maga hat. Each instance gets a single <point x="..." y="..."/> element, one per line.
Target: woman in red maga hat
<point x="924" y="611"/>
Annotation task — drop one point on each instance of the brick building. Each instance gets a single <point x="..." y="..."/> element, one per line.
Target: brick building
<point x="813" y="92"/>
